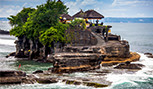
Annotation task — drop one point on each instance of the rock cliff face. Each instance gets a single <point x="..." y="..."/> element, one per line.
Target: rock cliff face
<point x="86" y="50"/>
<point x="117" y="49"/>
<point x="31" y="49"/>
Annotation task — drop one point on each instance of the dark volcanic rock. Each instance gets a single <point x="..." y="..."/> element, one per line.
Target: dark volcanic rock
<point x="129" y="66"/>
<point x="88" y="82"/>
<point x="11" y="77"/>
<point x="72" y="62"/>
<point x="4" y="32"/>
<point x="11" y="54"/>
<point x="47" y="80"/>
<point x="12" y="73"/>
<point x="10" y="80"/>
<point x="148" y="54"/>
<point x="38" y="71"/>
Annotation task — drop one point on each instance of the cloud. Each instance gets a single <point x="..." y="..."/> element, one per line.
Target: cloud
<point x="131" y="2"/>
<point x="88" y="2"/>
<point x="108" y="8"/>
<point x="8" y="10"/>
<point x="75" y="6"/>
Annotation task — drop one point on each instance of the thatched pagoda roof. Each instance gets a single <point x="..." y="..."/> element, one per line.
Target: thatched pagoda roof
<point x="59" y="1"/>
<point x="92" y="14"/>
<point x="80" y="14"/>
<point x="67" y="16"/>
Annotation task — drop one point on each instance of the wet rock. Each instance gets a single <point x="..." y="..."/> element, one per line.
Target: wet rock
<point x="12" y="73"/>
<point x="4" y="32"/>
<point x="11" y="54"/>
<point x="47" y="80"/>
<point x="50" y="58"/>
<point x="10" y="80"/>
<point x="148" y="54"/>
<point x="109" y="61"/>
<point x="129" y="66"/>
<point x="86" y="83"/>
<point x="29" y="79"/>
<point x="73" y="62"/>
<point x="38" y="71"/>
<point x="97" y="85"/>
<point x="73" y="82"/>
<point x="11" y="77"/>
<point x="117" y="49"/>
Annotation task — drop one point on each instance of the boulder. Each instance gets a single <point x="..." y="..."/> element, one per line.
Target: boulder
<point x="47" y="80"/>
<point x="38" y="71"/>
<point x="148" y="54"/>
<point x="10" y="80"/>
<point x="97" y="83"/>
<point x="129" y="66"/>
<point x="12" y="73"/>
<point x="11" y="77"/>
<point x="11" y="54"/>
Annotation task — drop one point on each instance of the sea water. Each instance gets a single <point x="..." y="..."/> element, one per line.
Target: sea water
<point x="139" y="35"/>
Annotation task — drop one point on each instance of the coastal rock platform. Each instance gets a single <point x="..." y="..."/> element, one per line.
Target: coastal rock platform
<point x="109" y="61"/>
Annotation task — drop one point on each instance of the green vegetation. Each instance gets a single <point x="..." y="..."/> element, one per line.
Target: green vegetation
<point x="78" y="23"/>
<point x="41" y="23"/>
<point x="19" y="20"/>
<point x="54" y="34"/>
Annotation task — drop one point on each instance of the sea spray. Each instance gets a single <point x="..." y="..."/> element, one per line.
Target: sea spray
<point x="7" y="42"/>
<point x="131" y="80"/>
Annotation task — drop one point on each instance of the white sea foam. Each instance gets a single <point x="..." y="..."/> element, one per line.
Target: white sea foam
<point x="140" y="76"/>
<point x="7" y="42"/>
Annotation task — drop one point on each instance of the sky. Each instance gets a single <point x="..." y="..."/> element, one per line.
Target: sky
<point x="108" y="8"/>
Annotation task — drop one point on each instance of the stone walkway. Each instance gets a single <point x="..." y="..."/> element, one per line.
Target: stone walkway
<point x="100" y="39"/>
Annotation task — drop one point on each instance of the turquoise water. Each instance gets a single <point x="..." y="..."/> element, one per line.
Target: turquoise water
<point x="139" y="35"/>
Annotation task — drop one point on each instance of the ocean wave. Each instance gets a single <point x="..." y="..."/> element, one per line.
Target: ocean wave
<point x="131" y="80"/>
<point x="7" y="42"/>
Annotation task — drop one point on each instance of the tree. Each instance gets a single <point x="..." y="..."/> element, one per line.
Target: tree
<point x="54" y="34"/>
<point x="44" y="19"/>
<point x="18" y="21"/>
<point x="78" y="23"/>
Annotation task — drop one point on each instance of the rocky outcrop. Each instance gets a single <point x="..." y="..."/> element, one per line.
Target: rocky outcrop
<point x="109" y="61"/>
<point x="117" y="49"/>
<point x="72" y="62"/>
<point x="38" y="71"/>
<point x="4" y="32"/>
<point x="11" y="77"/>
<point x="12" y="73"/>
<point x="47" y="80"/>
<point x="149" y="55"/>
<point x="11" y="54"/>
<point x="79" y="37"/>
<point x="86" y="83"/>
<point x="19" y="77"/>
<point x="31" y="49"/>
<point x="127" y="65"/>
